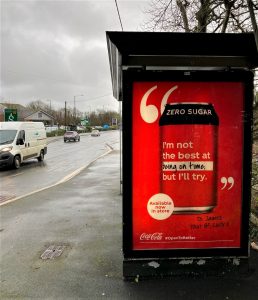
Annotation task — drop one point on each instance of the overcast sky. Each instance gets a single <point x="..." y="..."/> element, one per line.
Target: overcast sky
<point x="55" y="50"/>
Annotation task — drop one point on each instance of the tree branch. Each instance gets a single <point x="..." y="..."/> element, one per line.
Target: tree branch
<point x="182" y="9"/>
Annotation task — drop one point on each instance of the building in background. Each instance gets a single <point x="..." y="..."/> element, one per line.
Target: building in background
<point x="41" y="116"/>
<point x="22" y="111"/>
<point x="25" y="114"/>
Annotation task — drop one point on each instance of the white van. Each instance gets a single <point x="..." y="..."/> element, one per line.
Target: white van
<point x="20" y="141"/>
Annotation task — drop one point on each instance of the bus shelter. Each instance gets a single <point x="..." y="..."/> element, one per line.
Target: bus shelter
<point x="187" y="149"/>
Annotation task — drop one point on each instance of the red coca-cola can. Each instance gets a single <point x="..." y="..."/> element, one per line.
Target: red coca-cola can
<point x="188" y="152"/>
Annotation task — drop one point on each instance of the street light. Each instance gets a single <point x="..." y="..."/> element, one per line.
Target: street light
<point x="50" y="111"/>
<point x="49" y="104"/>
<point x="74" y="107"/>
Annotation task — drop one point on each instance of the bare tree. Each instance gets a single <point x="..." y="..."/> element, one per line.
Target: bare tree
<point x="37" y="105"/>
<point x="200" y="15"/>
<point x="98" y="117"/>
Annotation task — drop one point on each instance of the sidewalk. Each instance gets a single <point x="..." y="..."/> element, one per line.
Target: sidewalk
<point x="82" y="221"/>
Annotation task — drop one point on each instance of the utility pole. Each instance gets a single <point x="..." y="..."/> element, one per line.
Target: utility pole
<point x="65" y="115"/>
<point x="74" y="107"/>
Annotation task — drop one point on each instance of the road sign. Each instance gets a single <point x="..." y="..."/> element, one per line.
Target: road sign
<point x="84" y="122"/>
<point x="114" y="121"/>
<point x="10" y="114"/>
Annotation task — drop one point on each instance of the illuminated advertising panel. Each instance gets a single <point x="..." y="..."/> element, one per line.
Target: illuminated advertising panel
<point x="190" y="163"/>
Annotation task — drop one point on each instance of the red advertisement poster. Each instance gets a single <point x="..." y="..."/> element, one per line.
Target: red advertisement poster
<point x="187" y="162"/>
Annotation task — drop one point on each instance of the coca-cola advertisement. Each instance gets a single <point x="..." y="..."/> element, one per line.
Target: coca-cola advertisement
<point x="187" y="164"/>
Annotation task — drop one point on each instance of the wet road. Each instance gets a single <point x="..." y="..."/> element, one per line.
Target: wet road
<point x="62" y="162"/>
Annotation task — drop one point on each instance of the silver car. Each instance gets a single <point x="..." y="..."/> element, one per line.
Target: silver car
<point x="71" y="136"/>
<point x="95" y="132"/>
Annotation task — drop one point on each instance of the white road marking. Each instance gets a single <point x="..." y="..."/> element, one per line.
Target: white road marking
<point x="18" y="174"/>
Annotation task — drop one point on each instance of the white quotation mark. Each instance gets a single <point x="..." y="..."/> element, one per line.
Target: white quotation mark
<point x="150" y="112"/>
<point x="227" y="181"/>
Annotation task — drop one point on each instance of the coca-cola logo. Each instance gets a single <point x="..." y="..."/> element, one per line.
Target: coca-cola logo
<point x="156" y="236"/>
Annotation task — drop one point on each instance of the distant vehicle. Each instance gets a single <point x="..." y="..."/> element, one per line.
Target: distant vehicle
<point x="51" y="128"/>
<point x="97" y="127"/>
<point x="95" y="133"/>
<point x="20" y="141"/>
<point x="71" y="136"/>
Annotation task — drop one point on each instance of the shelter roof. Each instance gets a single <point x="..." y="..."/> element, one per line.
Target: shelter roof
<point x="169" y="50"/>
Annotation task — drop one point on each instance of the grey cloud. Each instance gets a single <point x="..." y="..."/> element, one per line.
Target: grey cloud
<point x="56" y="49"/>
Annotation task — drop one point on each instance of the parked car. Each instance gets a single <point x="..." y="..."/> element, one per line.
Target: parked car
<point x="71" y="136"/>
<point x="95" y="133"/>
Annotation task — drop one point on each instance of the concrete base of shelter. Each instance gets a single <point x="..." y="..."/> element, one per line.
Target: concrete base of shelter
<point x="139" y="269"/>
